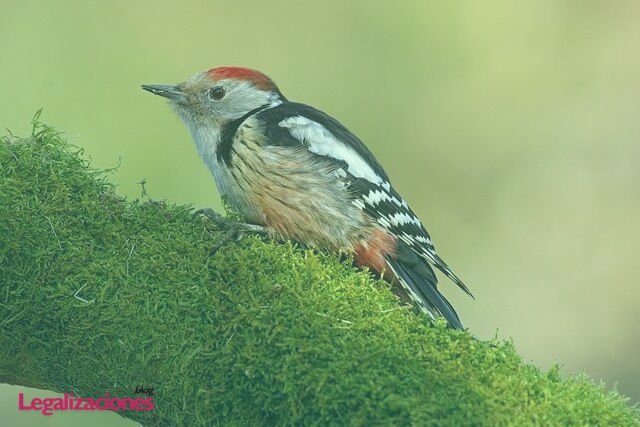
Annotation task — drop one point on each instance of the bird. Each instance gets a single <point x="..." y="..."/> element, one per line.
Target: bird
<point x="299" y="174"/>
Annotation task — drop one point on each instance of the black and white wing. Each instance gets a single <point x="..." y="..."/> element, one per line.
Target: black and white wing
<point x="372" y="191"/>
<point x="383" y="203"/>
<point x="298" y="125"/>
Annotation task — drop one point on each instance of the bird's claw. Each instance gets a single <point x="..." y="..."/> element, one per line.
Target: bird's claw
<point x="233" y="233"/>
<point x="212" y="215"/>
<point x="234" y="230"/>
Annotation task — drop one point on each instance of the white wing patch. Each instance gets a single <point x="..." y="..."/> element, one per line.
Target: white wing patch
<point x="402" y="218"/>
<point x="320" y="141"/>
<point x="392" y="212"/>
<point x="377" y="196"/>
<point x="384" y="222"/>
<point x="424" y="240"/>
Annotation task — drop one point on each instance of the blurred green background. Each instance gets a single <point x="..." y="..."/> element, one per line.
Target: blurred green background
<point x="512" y="128"/>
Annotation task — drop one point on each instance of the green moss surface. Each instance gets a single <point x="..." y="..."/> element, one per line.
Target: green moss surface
<point x="100" y="294"/>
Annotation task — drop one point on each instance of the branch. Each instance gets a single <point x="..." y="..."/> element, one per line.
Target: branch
<point x="99" y="294"/>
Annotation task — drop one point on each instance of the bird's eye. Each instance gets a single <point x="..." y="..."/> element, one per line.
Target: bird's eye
<point x="217" y="93"/>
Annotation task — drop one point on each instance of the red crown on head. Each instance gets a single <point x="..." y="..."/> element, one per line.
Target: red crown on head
<point x="240" y="73"/>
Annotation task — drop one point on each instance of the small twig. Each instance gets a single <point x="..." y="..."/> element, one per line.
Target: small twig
<point x="75" y="295"/>
<point x="129" y="257"/>
<point x="116" y="167"/>
<point x="389" y="310"/>
<point x="229" y="340"/>
<point x="232" y="334"/>
<point x="142" y="182"/>
<point x="54" y="232"/>
<point x="348" y="322"/>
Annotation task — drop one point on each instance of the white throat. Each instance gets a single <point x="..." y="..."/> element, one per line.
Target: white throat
<point x="207" y="137"/>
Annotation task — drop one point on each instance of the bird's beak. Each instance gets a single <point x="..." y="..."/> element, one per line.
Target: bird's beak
<point x="173" y="92"/>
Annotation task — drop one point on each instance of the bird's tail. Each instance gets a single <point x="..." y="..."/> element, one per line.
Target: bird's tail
<point x="420" y="282"/>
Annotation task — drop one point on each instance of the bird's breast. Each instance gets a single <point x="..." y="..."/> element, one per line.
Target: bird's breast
<point x="290" y="191"/>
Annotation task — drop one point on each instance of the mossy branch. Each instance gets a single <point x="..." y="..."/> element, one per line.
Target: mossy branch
<point x="99" y="294"/>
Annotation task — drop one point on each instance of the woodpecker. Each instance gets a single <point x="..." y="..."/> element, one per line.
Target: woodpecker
<point x="300" y="174"/>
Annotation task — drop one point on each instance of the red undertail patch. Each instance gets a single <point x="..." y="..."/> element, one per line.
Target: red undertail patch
<point x="372" y="252"/>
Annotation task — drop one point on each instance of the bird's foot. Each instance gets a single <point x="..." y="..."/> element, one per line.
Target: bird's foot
<point x="214" y="216"/>
<point x="233" y="230"/>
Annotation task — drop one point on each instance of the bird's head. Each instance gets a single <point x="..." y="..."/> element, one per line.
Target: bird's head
<point x="219" y="95"/>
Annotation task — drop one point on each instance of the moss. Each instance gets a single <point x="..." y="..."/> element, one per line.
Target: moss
<point x="259" y="333"/>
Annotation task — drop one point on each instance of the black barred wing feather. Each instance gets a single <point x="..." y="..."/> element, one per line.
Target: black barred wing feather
<point x="388" y="208"/>
<point x="299" y="125"/>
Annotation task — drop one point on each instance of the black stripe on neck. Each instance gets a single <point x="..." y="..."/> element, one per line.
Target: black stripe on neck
<point x="229" y="129"/>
